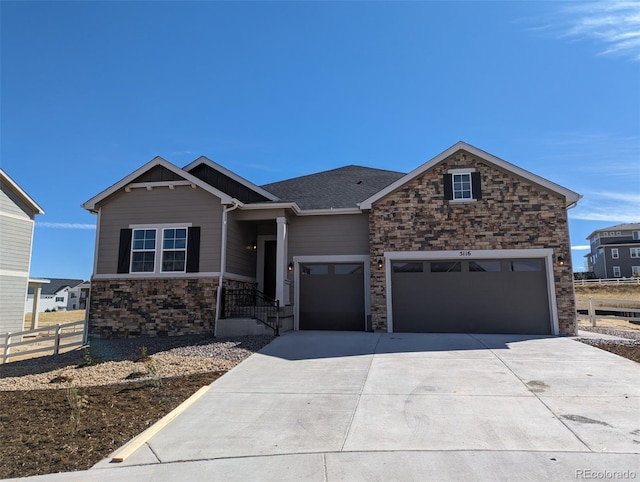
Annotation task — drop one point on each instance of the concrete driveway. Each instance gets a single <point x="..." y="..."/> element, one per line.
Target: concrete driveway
<point x="332" y="406"/>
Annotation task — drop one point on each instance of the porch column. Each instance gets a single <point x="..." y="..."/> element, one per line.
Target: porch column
<point x="282" y="241"/>
<point x="36" y="284"/>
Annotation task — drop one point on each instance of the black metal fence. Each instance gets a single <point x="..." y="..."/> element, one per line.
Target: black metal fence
<point x="251" y="303"/>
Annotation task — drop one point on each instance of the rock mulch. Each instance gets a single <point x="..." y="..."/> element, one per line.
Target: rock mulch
<point x="107" y="362"/>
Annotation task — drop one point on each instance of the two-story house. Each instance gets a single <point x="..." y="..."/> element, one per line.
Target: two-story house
<point x="57" y="295"/>
<point x="615" y="251"/>
<point x="17" y="221"/>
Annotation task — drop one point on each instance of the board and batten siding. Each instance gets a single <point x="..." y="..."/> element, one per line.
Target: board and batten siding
<point x="16" y="234"/>
<point x="160" y="206"/>
<point x="329" y="235"/>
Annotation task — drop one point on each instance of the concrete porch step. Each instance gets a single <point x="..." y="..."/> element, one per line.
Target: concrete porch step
<point x="246" y="326"/>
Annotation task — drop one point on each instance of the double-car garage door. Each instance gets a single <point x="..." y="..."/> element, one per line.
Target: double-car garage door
<point x="470" y="296"/>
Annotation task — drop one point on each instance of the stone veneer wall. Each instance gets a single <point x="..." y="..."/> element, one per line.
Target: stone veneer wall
<point x="122" y="308"/>
<point x="512" y="214"/>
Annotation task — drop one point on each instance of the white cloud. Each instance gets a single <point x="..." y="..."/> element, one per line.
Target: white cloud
<point x="581" y="247"/>
<point x="608" y="206"/>
<point x="65" y="225"/>
<point x="613" y="24"/>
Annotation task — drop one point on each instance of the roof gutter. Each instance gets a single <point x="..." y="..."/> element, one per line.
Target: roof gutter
<point x="223" y="257"/>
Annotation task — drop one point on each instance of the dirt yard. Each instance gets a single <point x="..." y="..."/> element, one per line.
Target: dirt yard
<point x="66" y="413"/>
<point x="54" y="318"/>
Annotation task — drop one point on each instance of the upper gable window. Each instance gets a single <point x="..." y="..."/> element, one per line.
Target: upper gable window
<point x="462" y="185"/>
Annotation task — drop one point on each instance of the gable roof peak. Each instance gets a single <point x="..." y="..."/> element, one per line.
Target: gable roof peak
<point x="4" y="177"/>
<point x="214" y="165"/>
<point x="90" y="205"/>
<point x="571" y="197"/>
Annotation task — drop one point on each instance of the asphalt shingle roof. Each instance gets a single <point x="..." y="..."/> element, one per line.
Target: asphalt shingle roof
<point x="343" y="187"/>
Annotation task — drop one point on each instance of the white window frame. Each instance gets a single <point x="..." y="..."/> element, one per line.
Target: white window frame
<point x="634" y="252"/>
<point x="462" y="172"/>
<point x="635" y="271"/>
<point x="154" y="250"/>
<point x="616" y="272"/>
<point x="163" y="250"/>
<point x="159" y="248"/>
<point x="636" y="235"/>
<point x="615" y="254"/>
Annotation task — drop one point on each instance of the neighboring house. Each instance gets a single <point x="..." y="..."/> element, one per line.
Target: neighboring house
<point x="55" y="296"/>
<point x="17" y="219"/>
<point x="466" y="242"/>
<point x="615" y="251"/>
<point x="78" y="296"/>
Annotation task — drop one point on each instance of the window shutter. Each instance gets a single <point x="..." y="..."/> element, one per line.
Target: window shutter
<point x="124" y="250"/>
<point x="448" y="187"/>
<point x="475" y="185"/>
<point x="193" y="250"/>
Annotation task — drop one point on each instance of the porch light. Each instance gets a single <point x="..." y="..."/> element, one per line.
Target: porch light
<point x="380" y="263"/>
<point x="254" y="246"/>
<point x="290" y="267"/>
<point x="560" y="261"/>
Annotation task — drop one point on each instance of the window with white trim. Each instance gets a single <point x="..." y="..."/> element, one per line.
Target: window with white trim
<point x="614" y="253"/>
<point x="161" y="248"/>
<point x="635" y="271"/>
<point x="634" y="252"/>
<point x="462" y="186"/>
<point x="174" y="250"/>
<point x="143" y="251"/>
<point x="636" y="235"/>
<point x="616" y="271"/>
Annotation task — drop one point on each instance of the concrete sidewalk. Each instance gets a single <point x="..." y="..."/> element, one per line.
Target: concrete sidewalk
<point x="364" y="406"/>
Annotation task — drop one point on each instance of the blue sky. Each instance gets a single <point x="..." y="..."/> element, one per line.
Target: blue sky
<point x="90" y="91"/>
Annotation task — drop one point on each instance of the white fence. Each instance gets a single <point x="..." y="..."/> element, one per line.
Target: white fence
<point x="625" y="309"/>
<point x="45" y="339"/>
<point x="608" y="281"/>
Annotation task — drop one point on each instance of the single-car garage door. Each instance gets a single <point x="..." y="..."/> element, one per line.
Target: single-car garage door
<point x="470" y="296"/>
<point x="332" y="296"/>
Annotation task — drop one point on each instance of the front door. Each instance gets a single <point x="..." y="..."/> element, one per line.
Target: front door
<point x="269" y="281"/>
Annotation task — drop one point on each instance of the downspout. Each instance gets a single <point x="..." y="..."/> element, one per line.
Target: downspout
<point x="223" y="258"/>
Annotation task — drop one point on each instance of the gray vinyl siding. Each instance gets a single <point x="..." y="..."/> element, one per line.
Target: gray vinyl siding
<point x="241" y="259"/>
<point x="12" y="204"/>
<point x="158" y="206"/>
<point x="13" y="293"/>
<point x="624" y="260"/>
<point x="329" y="235"/>
<point x="16" y="233"/>
<point x="15" y="243"/>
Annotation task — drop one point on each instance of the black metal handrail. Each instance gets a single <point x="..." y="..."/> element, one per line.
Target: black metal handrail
<point x="251" y="303"/>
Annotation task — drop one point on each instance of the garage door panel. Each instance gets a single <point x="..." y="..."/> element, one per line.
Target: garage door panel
<point x="332" y="297"/>
<point x="484" y="296"/>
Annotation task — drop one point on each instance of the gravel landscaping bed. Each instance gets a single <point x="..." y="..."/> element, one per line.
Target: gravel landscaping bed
<point x="630" y="334"/>
<point x="107" y="362"/>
